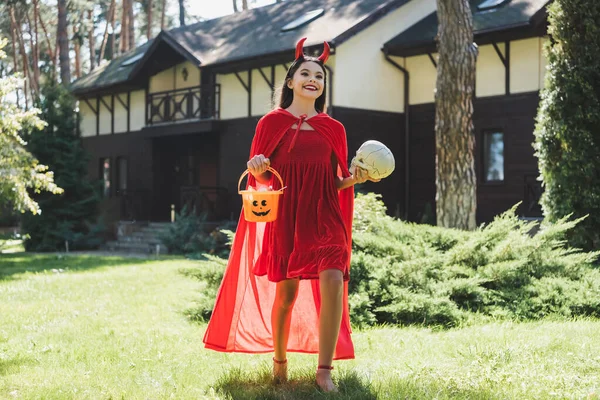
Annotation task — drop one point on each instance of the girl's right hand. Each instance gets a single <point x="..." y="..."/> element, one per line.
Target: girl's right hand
<point x="258" y="165"/>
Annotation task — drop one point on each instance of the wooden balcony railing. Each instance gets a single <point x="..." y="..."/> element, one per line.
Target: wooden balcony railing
<point x="194" y="103"/>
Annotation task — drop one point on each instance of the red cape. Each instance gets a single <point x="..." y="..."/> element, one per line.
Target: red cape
<point x="241" y="318"/>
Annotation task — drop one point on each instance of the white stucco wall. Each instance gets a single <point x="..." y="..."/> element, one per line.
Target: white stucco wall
<point x="105" y="117"/>
<point x="234" y="98"/>
<point x="120" y="114"/>
<point x="423" y="75"/>
<point x="490" y="73"/>
<point x="164" y="80"/>
<point x="363" y="78"/>
<point x="87" y="118"/>
<point x="137" y="111"/>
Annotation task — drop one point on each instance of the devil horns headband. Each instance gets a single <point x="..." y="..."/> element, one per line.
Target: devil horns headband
<point x="300" y="52"/>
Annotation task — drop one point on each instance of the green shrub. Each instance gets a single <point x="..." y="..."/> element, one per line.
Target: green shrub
<point x="404" y="273"/>
<point x="193" y="236"/>
<point x="566" y="134"/>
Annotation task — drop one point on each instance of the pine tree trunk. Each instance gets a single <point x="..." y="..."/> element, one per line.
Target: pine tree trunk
<point x="124" y="27"/>
<point x="77" y="48"/>
<point x="110" y="16"/>
<point x="92" y="40"/>
<point x="131" y="25"/>
<point x="456" y="200"/>
<point x="149" y="33"/>
<point x="181" y="13"/>
<point x="35" y="67"/>
<point x="13" y="34"/>
<point x="36" y="48"/>
<point x="244" y="5"/>
<point x="235" y="7"/>
<point x="51" y="51"/>
<point x="162" y="15"/>
<point x="63" y="43"/>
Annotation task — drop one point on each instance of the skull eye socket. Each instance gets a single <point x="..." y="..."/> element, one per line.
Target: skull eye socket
<point x="263" y="203"/>
<point x="255" y="203"/>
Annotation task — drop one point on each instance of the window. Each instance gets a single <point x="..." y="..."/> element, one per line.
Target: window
<point x="132" y="60"/>
<point x="105" y="176"/>
<point x="122" y="174"/>
<point x="493" y="156"/>
<point x="489" y="4"/>
<point x="303" y="20"/>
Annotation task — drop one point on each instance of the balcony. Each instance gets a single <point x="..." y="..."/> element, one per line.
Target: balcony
<point x="189" y="104"/>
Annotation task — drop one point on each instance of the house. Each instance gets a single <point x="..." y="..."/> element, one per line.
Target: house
<point x="171" y="122"/>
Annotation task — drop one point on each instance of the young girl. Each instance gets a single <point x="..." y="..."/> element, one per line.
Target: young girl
<point x="286" y="283"/>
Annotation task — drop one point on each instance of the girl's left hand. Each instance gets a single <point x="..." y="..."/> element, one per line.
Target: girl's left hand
<point x="361" y="175"/>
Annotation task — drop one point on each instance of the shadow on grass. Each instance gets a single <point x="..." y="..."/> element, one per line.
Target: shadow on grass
<point x="18" y="263"/>
<point x="13" y="365"/>
<point x="248" y="385"/>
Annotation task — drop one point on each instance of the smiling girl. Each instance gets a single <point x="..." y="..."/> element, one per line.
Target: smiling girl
<point x="286" y="283"/>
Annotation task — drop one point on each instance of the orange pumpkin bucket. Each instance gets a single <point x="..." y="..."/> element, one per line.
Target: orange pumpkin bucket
<point x="260" y="205"/>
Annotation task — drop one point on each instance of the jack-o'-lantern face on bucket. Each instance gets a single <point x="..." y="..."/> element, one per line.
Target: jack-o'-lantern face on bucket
<point x="259" y="208"/>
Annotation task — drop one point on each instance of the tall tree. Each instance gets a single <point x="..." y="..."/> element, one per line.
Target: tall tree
<point x="131" y="25"/>
<point x="63" y="43"/>
<point x="149" y="20"/>
<point x="244" y="5"/>
<point x="566" y="134"/>
<point x="125" y="27"/>
<point x="13" y="34"/>
<point x="77" y="49"/>
<point x="456" y="201"/>
<point x="19" y="169"/>
<point x="110" y="21"/>
<point x="72" y="216"/>
<point x="181" y="12"/>
<point x="162" y="14"/>
<point x="92" y="38"/>
<point x="235" y="7"/>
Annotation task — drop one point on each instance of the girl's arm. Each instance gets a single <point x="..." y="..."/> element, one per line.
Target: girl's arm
<point x="344" y="183"/>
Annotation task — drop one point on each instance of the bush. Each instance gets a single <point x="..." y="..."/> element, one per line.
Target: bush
<point x="566" y="133"/>
<point x="193" y="236"/>
<point x="404" y="273"/>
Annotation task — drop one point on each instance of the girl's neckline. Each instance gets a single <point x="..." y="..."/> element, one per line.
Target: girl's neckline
<point x="297" y="116"/>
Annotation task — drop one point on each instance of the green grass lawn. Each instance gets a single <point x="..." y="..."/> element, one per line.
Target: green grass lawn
<point x="110" y="328"/>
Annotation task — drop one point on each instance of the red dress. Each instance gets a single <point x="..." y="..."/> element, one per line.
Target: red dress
<point x="308" y="235"/>
<point x="241" y="318"/>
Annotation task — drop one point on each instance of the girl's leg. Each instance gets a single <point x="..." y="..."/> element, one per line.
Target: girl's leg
<point x="285" y="297"/>
<point x="331" y="282"/>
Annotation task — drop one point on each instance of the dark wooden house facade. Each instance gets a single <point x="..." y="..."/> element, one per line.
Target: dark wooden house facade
<point x="171" y="123"/>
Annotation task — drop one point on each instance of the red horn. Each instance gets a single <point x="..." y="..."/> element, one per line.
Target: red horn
<point x="299" y="48"/>
<point x="323" y="57"/>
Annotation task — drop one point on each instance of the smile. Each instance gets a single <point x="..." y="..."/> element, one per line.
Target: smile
<point x="261" y="214"/>
<point x="311" y="88"/>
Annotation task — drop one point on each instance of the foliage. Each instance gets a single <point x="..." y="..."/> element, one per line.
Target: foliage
<point x="193" y="236"/>
<point x="73" y="216"/>
<point x="19" y="169"/>
<point x="407" y="273"/>
<point x="404" y="273"/>
<point x="567" y="139"/>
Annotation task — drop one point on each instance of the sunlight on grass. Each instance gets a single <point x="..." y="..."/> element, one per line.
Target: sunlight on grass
<point x="100" y="328"/>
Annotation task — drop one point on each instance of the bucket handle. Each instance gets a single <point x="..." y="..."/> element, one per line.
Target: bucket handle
<point x="246" y="172"/>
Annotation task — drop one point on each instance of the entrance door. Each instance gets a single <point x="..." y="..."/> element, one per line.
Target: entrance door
<point x="185" y="170"/>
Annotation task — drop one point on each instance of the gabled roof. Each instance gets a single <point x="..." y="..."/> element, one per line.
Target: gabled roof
<point x="248" y="35"/>
<point x="512" y="20"/>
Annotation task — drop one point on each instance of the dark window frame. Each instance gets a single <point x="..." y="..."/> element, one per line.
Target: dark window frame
<point x="482" y="163"/>
<point x="101" y="175"/>
<point x="118" y="175"/>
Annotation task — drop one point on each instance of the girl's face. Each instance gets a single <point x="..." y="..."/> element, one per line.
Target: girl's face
<point x="308" y="81"/>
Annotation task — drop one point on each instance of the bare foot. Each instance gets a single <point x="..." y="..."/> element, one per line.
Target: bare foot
<point x="324" y="381"/>
<point x="279" y="371"/>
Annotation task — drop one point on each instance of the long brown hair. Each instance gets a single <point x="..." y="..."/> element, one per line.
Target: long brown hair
<point x="287" y="95"/>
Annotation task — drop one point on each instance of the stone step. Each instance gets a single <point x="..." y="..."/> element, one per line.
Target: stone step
<point x="133" y="247"/>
